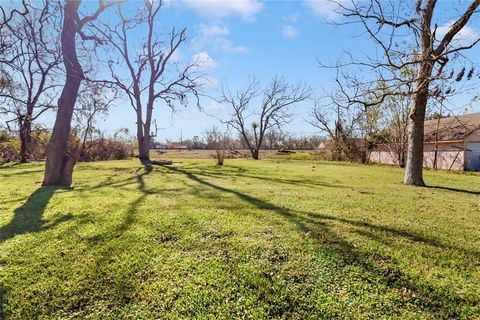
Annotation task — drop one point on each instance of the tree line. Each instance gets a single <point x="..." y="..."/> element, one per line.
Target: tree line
<point x="101" y="60"/>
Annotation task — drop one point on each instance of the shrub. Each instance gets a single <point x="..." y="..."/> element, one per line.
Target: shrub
<point x="107" y="149"/>
<point x="38" y="147"/>
<point x="9" y="147"/>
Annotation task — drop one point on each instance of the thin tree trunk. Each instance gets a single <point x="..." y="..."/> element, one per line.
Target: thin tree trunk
<point x="435" y="160"/>
<point x="60" y="162"/>
<point x="402" y="159"/>
<point x="25" y="139"/>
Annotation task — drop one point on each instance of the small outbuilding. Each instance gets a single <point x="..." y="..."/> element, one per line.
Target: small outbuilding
<point x="451" y="143"/>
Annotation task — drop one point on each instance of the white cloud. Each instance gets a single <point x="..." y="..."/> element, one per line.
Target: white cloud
<point x="289" y="31"/>
<point x="213" y="30"/>
<point x="292" y="18"/>
<point x="227" y="46"/>
<point x="203" y="61"/>
<point x="216" y="36"/>
<point x="177" y="56"/>
<point x="226" y="8"/>
<point x="211" y="82"/>
<point x="330" y="10"/>
<point x="464" y="37"/>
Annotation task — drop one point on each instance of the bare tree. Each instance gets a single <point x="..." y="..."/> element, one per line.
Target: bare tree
<point x="274" y="139"/>
<point x="30" y="56"/>
<point x="153" y="75"/>
<point x="370" y="131"/>
<point x="220" y="141"/>
<point x="339" y="122"/>
<point x="408" y="38"/>
<point x="61" y="160"/>
<point x="273" y="111"/>
<point x="94" y="100"/>
<point x="395" y="115"/>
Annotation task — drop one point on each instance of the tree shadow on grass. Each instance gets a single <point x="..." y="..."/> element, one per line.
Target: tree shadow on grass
<point x="29" y="216"/>
<point x="123" y="284"/>
<point x="139" y="180"/>
<point x="122" y="183"/>
<point x="7" y="165"/>
<point x="130" y="217"/>
<point x="437" y="300"/>
<point x="145" y="192"/>
<point x="292" y="182"/>
<point x="454" y="190"/>
<point x="2" y="302"/>
<point x="24" y="171"/>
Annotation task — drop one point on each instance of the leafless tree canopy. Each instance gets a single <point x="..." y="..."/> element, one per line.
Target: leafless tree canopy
<point x="339" y="123"/>
<point x="94" y="101"/>
<point x="414" y="56"/>
<point x="220" y="141"/>
<point x="29" y="59"/>
<point x="272" y="111"/>
<point x="153" y="74"/>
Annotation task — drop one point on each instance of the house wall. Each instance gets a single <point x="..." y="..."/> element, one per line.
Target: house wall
<point x="474" y="137"/>
<point x="383" y="157"/>
<point x="472" y="154"/>
<point x="449" y="156"/>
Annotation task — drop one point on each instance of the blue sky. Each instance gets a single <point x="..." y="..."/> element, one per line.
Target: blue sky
<point x="236" y="39"/>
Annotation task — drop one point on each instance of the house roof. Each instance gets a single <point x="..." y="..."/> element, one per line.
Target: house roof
<point x="452" y="128"/>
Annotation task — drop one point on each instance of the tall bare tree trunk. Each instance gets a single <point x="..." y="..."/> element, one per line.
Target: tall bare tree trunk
<point x="60" y="162"/>
<point x="144" y="144"/>
<point x="258" y="145"/>
<point x="416" y="120"/>
<point x="433" y="52"/>
<point x="255" y="154"/>
<point x="414" y="165"/>
<point x="146" y="141"/>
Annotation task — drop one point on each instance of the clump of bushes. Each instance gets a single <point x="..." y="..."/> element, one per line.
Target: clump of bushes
<point x="9" y="147"/>
<point x="107" y="149"/>
<point x="38" y="147"/>
<point x="101" y="148"/>
<point x="345" y="149"/>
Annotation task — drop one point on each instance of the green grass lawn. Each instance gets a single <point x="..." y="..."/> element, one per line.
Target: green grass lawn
<point x="252" y="239"/>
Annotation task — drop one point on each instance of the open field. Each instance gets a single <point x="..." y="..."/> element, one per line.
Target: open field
<point x="251" y="239"/>
<point x="210" y="154"/>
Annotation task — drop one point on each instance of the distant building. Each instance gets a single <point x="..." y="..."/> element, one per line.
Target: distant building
<point x="169" y="146"/>
<point x="452" y="143"/>
<point x="322" y="146"/>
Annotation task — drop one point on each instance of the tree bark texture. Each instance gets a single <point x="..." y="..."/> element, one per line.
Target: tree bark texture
<point x="60" y="162"/>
